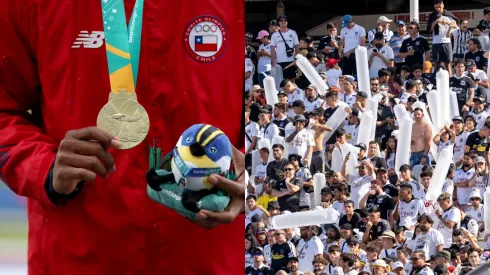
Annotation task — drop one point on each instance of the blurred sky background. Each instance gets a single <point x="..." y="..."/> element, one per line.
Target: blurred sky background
<point x="13" y="233"/>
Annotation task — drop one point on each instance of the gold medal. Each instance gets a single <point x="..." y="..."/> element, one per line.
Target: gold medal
<point x="125" y="118"/>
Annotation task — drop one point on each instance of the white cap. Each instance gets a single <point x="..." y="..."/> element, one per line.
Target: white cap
<point x="480" y="159"/>
<point x="380" y="263"/>
<point x="384" y="19"/>
<point x="475" y="193"/>
<point x="396" y="265"/>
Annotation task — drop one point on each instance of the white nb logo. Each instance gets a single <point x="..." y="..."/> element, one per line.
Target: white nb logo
<point x="89" y="40"/>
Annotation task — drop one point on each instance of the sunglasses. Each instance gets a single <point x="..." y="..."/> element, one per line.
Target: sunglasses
<point x="288" y="169"/>
<point x="414" y="259"/>
<point x="474" y="199"/>
<point x="258" y="254"/>
<point x="352" y="244"/>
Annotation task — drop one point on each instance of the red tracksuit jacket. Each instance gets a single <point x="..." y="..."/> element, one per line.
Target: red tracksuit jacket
<point x="112" y="227"/>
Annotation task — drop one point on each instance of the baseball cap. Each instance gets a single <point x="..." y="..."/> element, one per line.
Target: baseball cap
<point x="426" y="67"/>
<point x="444" y="254"/>
<point x="380" y="263"/>
<point x="396" y="265"/>
<point x="379" y="36"/>
<point x="458" y="118"/>
<point x="480" y="98"/>
<point x="312" y="86"/>
<point x="384" y="19"/>
<point x="282" y="16"/>
<point x="346" y="19"/>
<point x="480" y="159"/>
<point x="470" y="63"/>
<point x="311" y="55"/>
<point x="273" y="23"/>
<point x="362" y="146"/>
<point x="262" y="34"/>
<point x="293" y="259"/>
<point x="350" y="78"/>
<point x="266" y="109"/>
<point x="281" y="92"/>
<point x="332" y="61"/>
<point x="352" y="240"/>
<point x="400" y="23"/>
<point x="362" y="94"/>
<point x="299" y="117"/>
<point x="257" y="218"/>
<point x="388" y="234"/>
<point x="346" y="226"/>
<point x="381" y="170"/>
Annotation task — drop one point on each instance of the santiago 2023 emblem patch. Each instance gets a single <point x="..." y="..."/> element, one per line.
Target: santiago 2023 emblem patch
<point x="205" y="38"/>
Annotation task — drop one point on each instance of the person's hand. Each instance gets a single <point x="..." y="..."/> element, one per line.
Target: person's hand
<point x="465" y="108"/>
<point x="236" y="189"/>
<point x="348" y="110"/>
<point x="438" y="212"/>
<point x="389" y="120"/>
<point x="373" y="54"/>
<point x="273" y="64"/>
<point x="369" y="224"/>
<point x="411" y="52"/>
<point x="306" y="161"/>
<point x="82" y="155"/>
<point x="326" y="50"/>
<point x="299" y="127"/>
<point x="453" y="24"/>
<point x="347" y="157"/>
<point x="341" y="55"/>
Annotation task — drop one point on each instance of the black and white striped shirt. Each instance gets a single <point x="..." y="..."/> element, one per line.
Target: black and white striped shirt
<point x="460" y="43"/>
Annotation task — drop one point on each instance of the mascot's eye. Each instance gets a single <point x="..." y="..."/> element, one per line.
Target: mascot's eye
<point x="188" y="139"/>
<point x="213" y="150"/>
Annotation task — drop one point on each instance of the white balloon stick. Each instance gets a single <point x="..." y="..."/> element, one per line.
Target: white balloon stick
<point x="439" y="174"/>
<point x="351" y="168"/>
<point x="432" y="100"/>
<point x="454" y="109"/>
<point x="443" y="96"/>
<point x="305" y="218"/>
<point x="372" y="105"/>
<point x="362" y="67"/>
<point x="311" y="74"/>
<point x="364" y="135"/>
<point x="256" y="160"/>
<point x="433" y="146"/>
<point x="337" y="160"/>
<point x="276" y="73"/>
<point x="338" y="117"/>
<point x="400" y="111"/>
<point x="403" y="145"/>
<point x="270" y="91"/>
<point x="486" y="209"/>
<point x="319" y="182"/>
<point x="414" y="10"/>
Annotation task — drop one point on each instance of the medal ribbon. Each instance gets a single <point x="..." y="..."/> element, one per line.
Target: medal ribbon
<point x="123" y="43"/>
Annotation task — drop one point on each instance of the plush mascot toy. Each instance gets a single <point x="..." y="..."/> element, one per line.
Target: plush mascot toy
<point x="182" y="176"/>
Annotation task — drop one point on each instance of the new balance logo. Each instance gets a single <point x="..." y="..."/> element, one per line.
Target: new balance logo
<point x="93" y="40"/>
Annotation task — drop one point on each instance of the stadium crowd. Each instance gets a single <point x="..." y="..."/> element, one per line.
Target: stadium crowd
<point x="392" y="228"/>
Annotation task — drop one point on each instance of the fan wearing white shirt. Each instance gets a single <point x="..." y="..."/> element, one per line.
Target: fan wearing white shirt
<point x="309" y="247"/>
<point x="409" y="208"/>
<point x="381" y="56"/>
<point x="351" y="36"/>
<point x="313" y="101"/>
<point x="428" y="240"/>
<point x="300" y="139"/>
<point x="449" y="218"/>
<point x="389" y="245"/>
<point x="252" y="132"/>
<point x="249" y="73"/>
<point x="269" y="129"/>
<point x="284" y="46"/>
<point x="349" y="94"/>
<point x="264" y="54"/>
<point x="461" y="180"/>
<point x="476" y="208"/>
<point x="384" y="28"/>
<point x="334" y="72"/>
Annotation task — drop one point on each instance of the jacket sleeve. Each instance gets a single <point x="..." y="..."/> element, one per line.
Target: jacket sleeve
<point x="26" y="153"/>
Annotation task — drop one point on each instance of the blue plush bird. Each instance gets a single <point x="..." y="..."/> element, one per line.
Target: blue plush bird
<point x="202" y="150"/>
